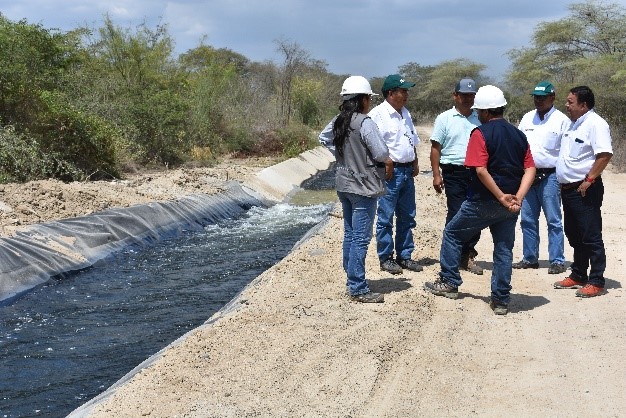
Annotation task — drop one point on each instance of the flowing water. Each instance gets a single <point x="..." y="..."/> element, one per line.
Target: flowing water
<point x="66" y="341"/>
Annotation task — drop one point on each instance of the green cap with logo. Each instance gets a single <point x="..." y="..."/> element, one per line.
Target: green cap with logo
<point x="395" y="81"/>
<point x="545" y="88"/>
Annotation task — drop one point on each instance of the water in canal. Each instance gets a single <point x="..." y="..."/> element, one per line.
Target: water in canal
<point x="68" y="340"/>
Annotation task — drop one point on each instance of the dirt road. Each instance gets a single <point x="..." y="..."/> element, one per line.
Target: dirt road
<point x="293" y="345"/>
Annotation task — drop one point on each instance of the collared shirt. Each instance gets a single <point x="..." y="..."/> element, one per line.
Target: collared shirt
<point x="589" y="136"/>
<point x="544" y="136"/>
<point x="452" y="130"/>
<point x="398" y="131"/>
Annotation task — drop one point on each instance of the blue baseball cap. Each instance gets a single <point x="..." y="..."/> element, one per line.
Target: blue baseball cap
<point x="465" y="85"/>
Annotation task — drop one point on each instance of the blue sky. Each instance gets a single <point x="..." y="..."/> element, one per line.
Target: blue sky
<point x="366" y="37"/>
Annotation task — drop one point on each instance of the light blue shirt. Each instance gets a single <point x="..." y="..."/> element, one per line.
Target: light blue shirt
<point x="452" y="131"/>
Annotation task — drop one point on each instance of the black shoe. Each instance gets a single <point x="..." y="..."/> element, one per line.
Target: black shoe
<point x="409" y="264"/>
<point x="525" y="265"/>
<point x="369" y="297"/>
<point x="390" y="266"/>
<point x="499" y="308"/>
<point x="556" y="268"/>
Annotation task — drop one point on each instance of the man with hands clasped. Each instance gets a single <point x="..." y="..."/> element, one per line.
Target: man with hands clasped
<point x="502" y="171"/>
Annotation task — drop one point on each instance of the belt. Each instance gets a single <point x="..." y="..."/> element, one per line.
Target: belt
<point x="568" y="186"/>
<point x="409" y="164"/>
<point x="453" y="168"/>
<point x="546" y="170"/>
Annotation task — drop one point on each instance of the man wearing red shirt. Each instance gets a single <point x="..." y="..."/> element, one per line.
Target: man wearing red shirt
<point x="503" y="170"/>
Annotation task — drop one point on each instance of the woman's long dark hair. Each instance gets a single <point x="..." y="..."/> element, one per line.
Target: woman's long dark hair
<point x="341" y="128"/>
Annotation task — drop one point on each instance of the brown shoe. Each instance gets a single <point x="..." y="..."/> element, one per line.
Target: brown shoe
<point x="409" y="264"/>
<point x="568" y="283"/>
<point x="469" y="264"/>
<point x="589" y="291"/>
<point x="441" y="288"/>
<point x="499" y="308"/>
<point x="369" y="297"/>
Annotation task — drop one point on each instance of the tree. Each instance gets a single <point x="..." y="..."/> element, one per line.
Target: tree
<point x="131" y="80"/>
<point x="588" y="47"/>
<point x="594" y="29"/>
<point x="435" y="84"/>
<point x="62" y="141"/>
<point x="295" y="60"/>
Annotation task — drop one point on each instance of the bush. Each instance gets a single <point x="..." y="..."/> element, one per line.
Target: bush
<point x="22" y="159"/>
<point x="289" y="142"/>
<point x="79" y="139"/>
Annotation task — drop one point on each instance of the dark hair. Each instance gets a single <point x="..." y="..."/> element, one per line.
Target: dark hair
<point x="386" y="93"/>
<point x="584" y="95"/>
<point x="498" y="111"/>
<point x="341" y="127"/>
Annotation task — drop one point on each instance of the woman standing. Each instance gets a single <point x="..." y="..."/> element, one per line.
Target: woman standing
<point x="360" y="172"/>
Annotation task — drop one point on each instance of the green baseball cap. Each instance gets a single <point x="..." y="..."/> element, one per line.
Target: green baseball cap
<point x="545" y="88"/>
<point x="395" y="81"/>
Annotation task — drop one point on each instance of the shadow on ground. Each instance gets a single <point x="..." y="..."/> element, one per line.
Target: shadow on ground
<point x="519" y="302"/>
<point x="389" y="285"/>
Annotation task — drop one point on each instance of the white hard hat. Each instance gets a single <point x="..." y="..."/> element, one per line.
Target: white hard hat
<point x="354" y="85"/>
<point x="489" y="97"/>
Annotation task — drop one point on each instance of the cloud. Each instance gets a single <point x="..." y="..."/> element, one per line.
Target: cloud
<point x="369" y="37"/>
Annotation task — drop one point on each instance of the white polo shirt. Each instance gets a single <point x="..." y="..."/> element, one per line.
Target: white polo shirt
<point x="544" y="136"/>
<point x="587" y="137"/>
<point x="397" y="130"/>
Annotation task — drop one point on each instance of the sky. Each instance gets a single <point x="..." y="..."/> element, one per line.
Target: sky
<point x="367" y="37"/>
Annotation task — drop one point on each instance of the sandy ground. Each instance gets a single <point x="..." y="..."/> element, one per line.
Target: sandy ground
<point x="294" y="346"/>
<point x="40" y="201"/>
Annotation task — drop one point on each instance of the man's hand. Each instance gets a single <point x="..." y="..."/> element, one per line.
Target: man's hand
<point x="388" y="169"/>
<point x="511" y="202"/>
<point x="438" y="183"/>
<point x="582" y="189"/>
<point x="416" y="167"/>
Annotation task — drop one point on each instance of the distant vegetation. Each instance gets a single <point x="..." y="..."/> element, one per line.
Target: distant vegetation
<point x="94" y="103"/>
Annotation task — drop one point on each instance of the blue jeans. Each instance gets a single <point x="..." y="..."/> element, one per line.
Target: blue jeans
<point x="547" y="195"/>
<point x="473" y="217"/>
<point x="399" y="200"/>
<point x="358" y="220"/>
<point x="455" y="182"/>
<point x="583" y="227"/>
